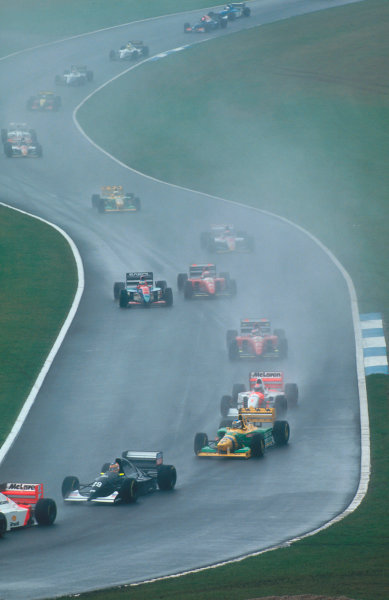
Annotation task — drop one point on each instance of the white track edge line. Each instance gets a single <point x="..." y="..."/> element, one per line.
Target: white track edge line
<point x="58" y="342"/>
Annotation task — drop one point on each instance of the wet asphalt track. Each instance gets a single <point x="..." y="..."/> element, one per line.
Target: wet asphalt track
<point x="151" y="379"/>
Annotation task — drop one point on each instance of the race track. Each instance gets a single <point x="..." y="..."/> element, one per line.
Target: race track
<point x="151" y="379"/>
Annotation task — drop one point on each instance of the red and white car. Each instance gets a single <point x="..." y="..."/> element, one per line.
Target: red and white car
<point x="203" y="281"/>
<point x="266" y="390"/>
<point x="23" y="505"/>
<point x="256" y="340"/>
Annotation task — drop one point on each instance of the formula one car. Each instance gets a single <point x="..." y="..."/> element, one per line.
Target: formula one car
<point x="139" y="290"/>
<point x="133" y="474"/>
<point x="23" y="505"/>
<point x="75" y="76"/>
<point x="207" y="23"/>
<point x="233" y="10"/>
<point x="131" y="51"/>
<point x="44" y="101"/>
<point x="23" y="147"/>
<point x="250" y="434"/>
<point x="204" y="282"/>
<point x="224" y="238"/>
<point x="18" y="131"/>
<point x="113" y="199"/>
<point x="255" y="340"/>
<point x="266" y="389"/>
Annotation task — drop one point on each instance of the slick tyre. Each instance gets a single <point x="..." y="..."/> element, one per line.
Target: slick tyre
<point x="123" y="299"/>
<point x="233" y="350"/>
<point x="69" y="484"/>
<point x="45" y="511"/>
<point x="257" y="445"/>
<point x="232" y="334"/>
<point x="225" y="405"/>
<point x="161" y="284"/>
<point x="168" y="297"/>
<point x="166" y="477"/>
<point x="117" y="287"/>
<point x="201" y="440"/>
<point x="281" y="432"/>
<point x="283" y="347"/>
<point x="181" y="279"/>
<point x="129" y="491"/>
<point x="8" y="149"/>
<point x="188" y="290"/>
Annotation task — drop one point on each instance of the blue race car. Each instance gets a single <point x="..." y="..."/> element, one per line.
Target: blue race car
<point x="232" y="11"/>
<point x="207" y="23"/>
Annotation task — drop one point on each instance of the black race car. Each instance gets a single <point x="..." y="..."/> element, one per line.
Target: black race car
<point x="207" y="23"/>
<point x="122" y="481"/>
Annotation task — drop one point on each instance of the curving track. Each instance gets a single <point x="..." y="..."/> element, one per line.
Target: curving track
<point x="151" y="379"/>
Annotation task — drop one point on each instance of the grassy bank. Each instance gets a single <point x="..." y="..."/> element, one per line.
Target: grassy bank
<point x="37" y="285"/>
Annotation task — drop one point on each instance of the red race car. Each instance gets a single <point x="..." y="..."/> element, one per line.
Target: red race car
<point x="23" y="505"/>
<point x="203" y="281"/>
<point x="256" y="340"/>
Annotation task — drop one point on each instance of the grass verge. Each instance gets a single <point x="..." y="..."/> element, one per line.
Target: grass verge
<point x="38" y="281"/>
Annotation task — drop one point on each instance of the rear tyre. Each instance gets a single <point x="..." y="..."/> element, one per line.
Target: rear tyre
<point x="168" y="296"/>
<point x="232" y="287"/>
<point x="95" y="200"/>
<point x="292" y="394"/>
<point x="246" y="11"/>
<point x="118" y="286"/>
<point x="281" y="433"/>
<point x="283" y="347"/>
<point x="123" y="299"/>
<point x="69" y="484"/>
<point x="237" y="388"/>
<point x="112" y="55"/>
<point x="129" y="491"/>
<point x="45" y="511"/>
<point x="166" y="477"/>
<point x="3" y="524"/>
<point x="181" y="279"/>
<point x="8" y="149"/>
<point x="201" y="440"/>
<point x="232" y="334"/>
<point x="225" y="405"/>
<point x="257" y="445"/>
<point x="233" y="350"/>
<point x="137" y="203"/>
<point x="161" y="284"/>
<point x="188" y="290"/>
<point x="281" y="406"/>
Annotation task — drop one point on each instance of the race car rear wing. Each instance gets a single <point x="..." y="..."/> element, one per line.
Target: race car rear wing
<point x="22" y="493"/>
<point x="258" y="416"/>
<point x="247" y="325"/>
<point x="134" y="277"/>
<point x="147" y="461"/>
<point x="196" y="270"/>
<point x="273" y="380"/>
<point x="111" y="189"/>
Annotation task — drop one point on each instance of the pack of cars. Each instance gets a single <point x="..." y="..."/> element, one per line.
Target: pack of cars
<point x="203" y="281"/>
<point x="20" y="141"/>
<point x="130" y="51"/>
<point x="256" y="340"/>
<point x="207" y="23"/>
<point x="140" y="290"/>
<point x="114" y="199"/>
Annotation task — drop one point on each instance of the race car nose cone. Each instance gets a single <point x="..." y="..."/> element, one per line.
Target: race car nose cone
<point x="225" y="445"/>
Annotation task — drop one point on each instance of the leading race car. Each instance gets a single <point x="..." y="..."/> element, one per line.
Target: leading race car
<point x="224" y="238"/>
<point x="44" y="101"/>
<point x="204" y="282"/>
<point x="266" y="389"/>
<point x="139" y="290"/>
<point x="256" y="340"/>
<point x="75" y="76"/>
<point x="250" y="434"/>
<point x="23" y="505"/>
<point x="113" y="199"/>
<point x="207" y="23"/>
<point x="122" y="481"/>
<point x="233" y="10"/>
<point x="131" y="51"/>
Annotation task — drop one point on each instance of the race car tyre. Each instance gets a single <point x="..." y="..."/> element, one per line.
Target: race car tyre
<point x="69" y="484"/>
<point x="137" y="203"/>
<point x="237" y="388"/>
<point x="281" y="406"/>
<point x="225" y="405"/>
<point x="181" y="279"/>
<point x="283" y="348"/>
<point x="123" y="299"/>
<point x="8" y="149"/>
<point x="186" y="27"/>
<point x="45" y="511"/>
<point x="3" y="524"/>
<point x="161" y="284"/>
<point x="233" y="350"/>
<point x="281" y="432"/>
<point x="246" y="11"/>
<point x="257" y="445"/>
<point x="166" y="477"/>
<point x="168" y="297"/>
<point x="112" y="55"/>
<point x="232" y="334"/>
<point x="129" y="491"/>
<point x="117" y="287"/>
<point x="223" y="23"/>
<point x="39" y="151"/>
<point x="227" y="422"/>
<point x="201" y="440"/>
<point x="34" y="137"/>
<point x="95" y="200"/>
<point x="89" y="75"/>
<point x="231" y="16"/>
<point x="101" y="206"/>
<point x="4" y="135"/>
<point x="105" y="468"/>
<point x="188" y="290"/>
<point x="292" y="394"/>
<point x="232" y="287"/>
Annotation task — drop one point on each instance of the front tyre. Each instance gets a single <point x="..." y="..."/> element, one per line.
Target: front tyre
<point x="45" y="511"/>
<point x="129" y="491"/>
<point x="281" y="433"/>
<point x="69" y="484"/>
<point x="166" y="477"/>
<point x="201" y="440"/>
<point x="257" y="445"/>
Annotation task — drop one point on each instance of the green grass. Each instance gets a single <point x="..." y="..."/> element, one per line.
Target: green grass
<point x="37" y="285"/>
<point x="26" y="23"/>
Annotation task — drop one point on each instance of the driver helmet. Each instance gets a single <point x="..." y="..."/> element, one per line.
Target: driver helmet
<point x="236" y="424"/>
<point x="114" y="467"/>
<point x="259" y="388"/>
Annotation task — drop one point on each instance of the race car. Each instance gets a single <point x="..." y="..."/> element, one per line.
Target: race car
<point x="266" y="389"/>
<point x="23" y="505"/>
<point x="207" y="23"/>
<point x="131" y="51"/>
<point x="44" y="101"/>
<point x="233" y="10"/>
<point x="249" y="436"/>
<point x="224" y="238"/>
<point x="139" y="290"/>
<point x="23" y="147"/>
<point x="75" y="76"/>
<point x="204" y="282"/>
<point x="113" y="199"/>
<point x="132" y="475"/>
<point x="17" y="131"/>
<point x="256" y="340"/>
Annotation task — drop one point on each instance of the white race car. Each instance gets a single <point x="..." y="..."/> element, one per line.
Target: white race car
<point x="23" y="505"/>
<point x="131" y="51"/>
<point x="74" y="76"/>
